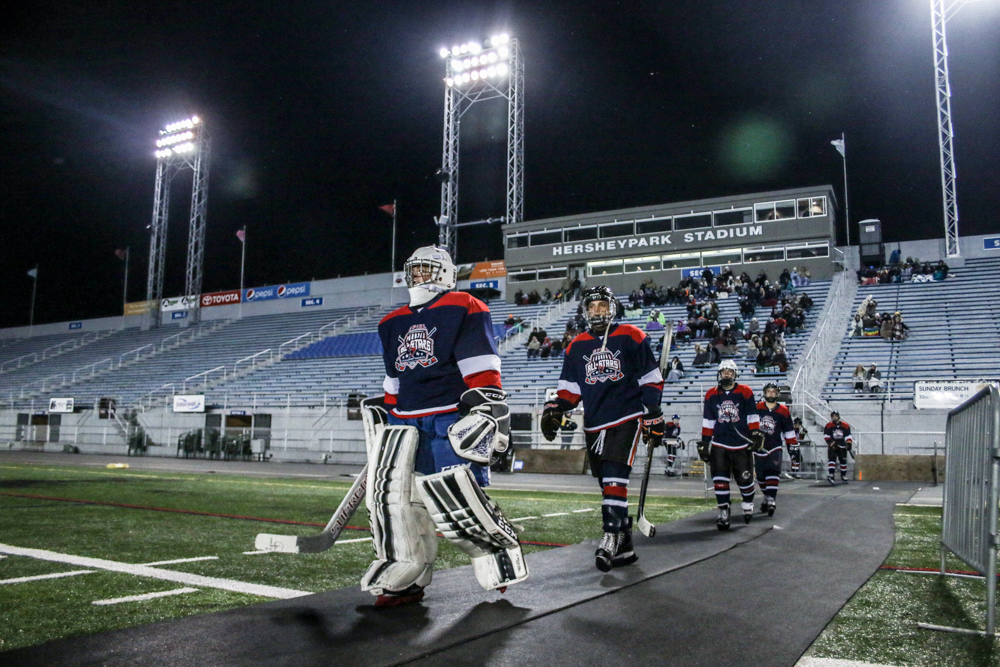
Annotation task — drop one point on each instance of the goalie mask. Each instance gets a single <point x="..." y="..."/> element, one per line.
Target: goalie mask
<point x="727" y="365"/>
<point x="429" y="271"/>
<point x="600" y="320"/>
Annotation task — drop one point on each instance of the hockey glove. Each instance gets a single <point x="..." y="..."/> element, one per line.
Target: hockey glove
<point x="485" y="428"/>
<point x="652" y="428"/>
<point x="551" y="420"/>
<point x="705" y="449"/>
<point x="757" y="441"/>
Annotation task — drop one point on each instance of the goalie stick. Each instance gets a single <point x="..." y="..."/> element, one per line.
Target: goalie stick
<point x="313" y="544"/>
<point x="643" y="524"/>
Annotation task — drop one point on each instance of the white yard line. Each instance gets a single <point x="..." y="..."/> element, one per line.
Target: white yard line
<point x="557" y="514"/>
<point x="181" y="560"/>
<point x="832" y="662"/>
<point x="254" y="553"/>
<point x="38" y="577"/>
<point x="589" y="509"/>
<point x="147" y="596"/>
<point x="154" y="573"/>
<point x="524" y="518"/>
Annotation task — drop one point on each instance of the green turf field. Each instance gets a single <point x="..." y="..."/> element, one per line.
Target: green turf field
<point x="36" y="511"/>
<point x="879" y="624"/>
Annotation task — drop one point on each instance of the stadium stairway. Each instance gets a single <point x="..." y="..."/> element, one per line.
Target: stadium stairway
<point x="953" y="327"/>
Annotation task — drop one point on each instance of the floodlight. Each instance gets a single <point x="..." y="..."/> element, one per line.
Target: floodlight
<point x="492" y="57"/>
<point x="503" y="38"/>
<point x="456" y="50"/>
<point x="503" y="52"/>
<point x="501" y="69"/>
<point x="456" y="65"/>
<point x="491" y="71"/>
<point x="475" y="75"/>
<point x="166" y="152"/>
<point x="465" y="78"/>
<point x="195" y="120"/>
<point x="475" y="61"/>
<point x="449" y="82"/>
<point x="445" y="52"/>
<point x="464" y="48"/>
<point x="474" y="47"/>
<point x="467" y="63"/>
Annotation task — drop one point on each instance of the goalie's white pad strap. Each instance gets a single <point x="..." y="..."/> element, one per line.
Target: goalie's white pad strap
<point x="474" y="523"/>
<point x="402" y="531"/>
<point x="375" y="419"/>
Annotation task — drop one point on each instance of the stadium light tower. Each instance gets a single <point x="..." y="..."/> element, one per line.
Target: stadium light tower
<point x="941" y="11"/>
<point x="474" y="73"/>
<point x="181" y="145"/>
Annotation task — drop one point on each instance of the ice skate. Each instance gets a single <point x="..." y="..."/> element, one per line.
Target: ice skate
<point x="606" y="551"/>
<point x="723" y="521"/>
<point x="747" y="512"/>
<point x="624" y="555"/>
<point x="411" y="595"/>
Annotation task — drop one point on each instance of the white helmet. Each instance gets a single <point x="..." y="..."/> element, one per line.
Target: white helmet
<point x="437" y="262"/>
<point x="730" y="365"/>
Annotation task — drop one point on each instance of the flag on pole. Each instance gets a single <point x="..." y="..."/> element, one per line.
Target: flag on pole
<point x="839" y="145"/>
<point x="388" y="208"/>
<point x="34" y="273"/>
<point x="120" y="254"/>
<point x="242" y="235"/>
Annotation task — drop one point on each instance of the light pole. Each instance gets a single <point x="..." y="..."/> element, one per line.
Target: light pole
<point x="941" y="11"/>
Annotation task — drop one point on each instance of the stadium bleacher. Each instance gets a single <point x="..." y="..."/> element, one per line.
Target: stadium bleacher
<point x="953" y="325"/>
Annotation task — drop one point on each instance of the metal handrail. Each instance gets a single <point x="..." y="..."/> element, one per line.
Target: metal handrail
<point x="136" y="351"/>
<point x="253" y="359"/>
<point x="292" y="343"/>
<point x="93" y="367"/>
<point x="184" y="386"/>
<point x="72" y="343"/>
<point x="34" y="359"/>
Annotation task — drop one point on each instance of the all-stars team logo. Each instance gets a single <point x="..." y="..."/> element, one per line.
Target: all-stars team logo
<point x="729" y="412"/>
<point x="416" y="348"/>
<point x="767" y="424"/>
<point x="603" y="365"/>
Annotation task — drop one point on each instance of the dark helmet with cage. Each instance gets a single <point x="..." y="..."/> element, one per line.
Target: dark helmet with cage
<point x="595" y="294"/>
<point x="771" y="385"/>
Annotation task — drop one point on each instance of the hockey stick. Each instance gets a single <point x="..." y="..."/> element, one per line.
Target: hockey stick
<point x="313" y="544"/>
<point x="645" y="527"/>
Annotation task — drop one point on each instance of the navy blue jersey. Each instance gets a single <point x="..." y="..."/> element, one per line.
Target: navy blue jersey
<point x="777" y="427"/>
<point x="671" y="430"/>
<point x="730" y="416"/>
<point x="434" y="353"/>
<point x="838" y="434"/>
<point x="616" y="384"/>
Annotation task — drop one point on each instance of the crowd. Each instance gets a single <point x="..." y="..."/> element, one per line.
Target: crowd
<point x="869" y="322"/>
<point x="896" y="271"/>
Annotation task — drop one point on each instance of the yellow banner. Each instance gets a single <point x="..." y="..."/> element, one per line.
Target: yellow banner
<point x="139" y="307"/>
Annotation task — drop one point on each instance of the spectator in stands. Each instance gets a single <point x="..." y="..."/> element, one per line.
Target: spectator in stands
<point x="785" y="279"/>
<point x="675" y="370"/>
<point x="546" y="348"/>
<point x="701" y="356"/>
<point x="533" y="297"/>
<point x="681" y="331"/>
<point x="941" y="270"/>
<point x="656" y="321"/>
<point x="567" y="339"/>
<point x="518" y="297"/>
<point x="796" y="321"/>
<point x="534" y="347"/>
<point x="899" y="329"/>
<point x="857" y="327"/>
<point x="557" y="347"/>
<point x="753" y="348"/>
<point x="885" y="326"/>
<point x="753" y="328"/>
<point x="780" y="357"/>
<point x="534" y="334"/>
<point x="860" y="378"/>
<point x="765" y="353"/>
<point x="546" y="295"/>
<point x="874" y="378"/>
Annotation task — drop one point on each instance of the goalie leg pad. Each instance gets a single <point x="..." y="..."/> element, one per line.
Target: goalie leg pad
<point x="402" y="531"/>
<point x="474" y="523"/>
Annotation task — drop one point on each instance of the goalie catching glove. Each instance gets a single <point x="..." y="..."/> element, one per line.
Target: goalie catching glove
<point x="653" y="428"/>
<point x="705" y="449"/>
<point x="484" y="428"/>
<point x="551" y="420"/>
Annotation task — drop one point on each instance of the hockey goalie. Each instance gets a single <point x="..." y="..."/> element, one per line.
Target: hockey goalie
<point x="430" y="444"/>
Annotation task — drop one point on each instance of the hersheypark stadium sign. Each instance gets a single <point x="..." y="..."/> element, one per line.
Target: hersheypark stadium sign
<point x="658" y="241"/>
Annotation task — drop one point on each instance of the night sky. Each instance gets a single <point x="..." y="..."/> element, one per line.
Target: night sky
<point x="320" y="112"/>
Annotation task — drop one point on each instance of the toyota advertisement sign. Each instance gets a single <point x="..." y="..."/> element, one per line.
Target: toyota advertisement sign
<point x="220" y="298"/>
<point x="276" y="292"/>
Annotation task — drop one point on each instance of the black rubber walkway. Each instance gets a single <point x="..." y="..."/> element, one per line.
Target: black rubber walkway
<point x="759" y="594"/>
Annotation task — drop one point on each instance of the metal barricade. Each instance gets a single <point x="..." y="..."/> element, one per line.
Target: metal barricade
<point x="971" y="493"/>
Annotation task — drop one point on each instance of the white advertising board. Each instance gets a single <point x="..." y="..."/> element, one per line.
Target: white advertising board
<point x="945" y="394"/>
<point x="60" y="405"/>
<point x="189" y="403"/>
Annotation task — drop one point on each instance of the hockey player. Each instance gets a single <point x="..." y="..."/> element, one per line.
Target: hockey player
<point x="672" y="441"/>
<point x="776" y="425"/>
<point x="729" y="430"/>
<point x="446" y="417"/>
<point x="795" y="451"/>
<point x="611" y="368"/>
<point x="837" y="434"/>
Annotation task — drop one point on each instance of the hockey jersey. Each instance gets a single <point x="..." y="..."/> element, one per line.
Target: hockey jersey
<point x="730" y="416"/>
<point x="616" y="384"/>
<point x="434" y="353"/>
<point x="777" y="427"/>
<point x="671" y="430"/>
<point x="838" y="434"/>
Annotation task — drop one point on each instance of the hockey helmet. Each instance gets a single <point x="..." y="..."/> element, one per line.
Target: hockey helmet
<point x="675" y="418"/>
<point x="600" y="293"/>
<point x="835" y="415"/>
<point x="435" y="262"/>
<point x="770" y="385"/>
<point x="727" y="365"/>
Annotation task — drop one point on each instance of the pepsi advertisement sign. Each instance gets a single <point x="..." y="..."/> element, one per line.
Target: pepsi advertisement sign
<point x="276" y="292"/>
